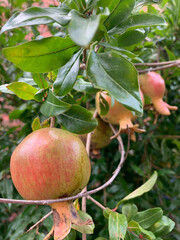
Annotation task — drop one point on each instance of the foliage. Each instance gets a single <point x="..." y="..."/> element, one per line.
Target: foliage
<point x="109" y="37"/>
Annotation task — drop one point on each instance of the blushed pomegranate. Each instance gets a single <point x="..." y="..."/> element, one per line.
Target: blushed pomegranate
<point x="52" y="163"/>
<point x="153" y="85"/>
<point x="118" y="114"/>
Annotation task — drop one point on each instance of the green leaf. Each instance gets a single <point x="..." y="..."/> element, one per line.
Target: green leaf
<point x="135" y="227"/>
<point x="83" y="86"/>
<point x="131" y="37"/>
<point x="36" y="124"/>
<point x="148" y="217"/>
<point x="162" y="227"/>
<point x="101" y="238"/>
<point x="103" y="3"/>
<point x="36" y="16"/>
<point x="78" y="120"/>
<point x="122" y="51"/>
<point x="146" y="187"/>
<point x="53" y="106"/>
<point x="29" y="81"/>
<point x="106" y="212"/>
<point x="117" y="226"/>
<point x="71" y="235"/>
<point x="129" y="210"/>
<point x="67" y="75"/>
<point x="139" y="21"/>
<point x="120" y="13"/>
<point x="114" y="73"/>
<point x="88" y="229"/>
<point x="40" y="95"/>
<point x="73" y="4"/>
<point x="104" y="106"/>
<point x="23" y="90"/>
<point x="40" y="81"/>
<point x="82" y="30"/>
<point x="43" y="55"/>
<point x="4" y="89"/>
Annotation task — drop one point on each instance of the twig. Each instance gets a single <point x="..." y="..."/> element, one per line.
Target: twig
<point x="52" y="121"/>
<point x="96" y="202"/>
<point x="88" y="146"/>
<point x="80" y="195"/>
<point x="177" y="64"/>
<point x="167" y="136"/>
<point x="41" y="220"/>
<point x="128" y="145"/>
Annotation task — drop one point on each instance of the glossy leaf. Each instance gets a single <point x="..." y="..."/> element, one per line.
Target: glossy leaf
<point x="23" y="90"/>
<point x="53" y="106"/>
<point x="88" y="229"/>
<point x="40" y="95"/>
<point x="119" y="13"/>
<point x="136" y="228"/>
<point x="36" y="124"/>
<point x="131" y="37"/>
<point x="112" y="72"/>
<point x="146" y="187"/>
<point x="29" y="81"/>
<point x="67" y="75"/>
<point x="78" y="120"/>
<point x="41" y="55"/>
<point x="71" y="235"/>
<point x="101" y="238"/>
<point x="148" y="217"/>
<point x="129" y="210"/>
<point x="106" y="212"/>
<point x="36" y="16"/>
<point x="82" y="30"/>
<point x="40" y="81"/>
<point x="4" y="89"/>
<point x="120" y="50"/>
<point x="162" y="227"/>
<point x="139" y="21"/>
<point x="104" y="106"/>
<point x="83" y="86"/>
<point x="117" y="226"/>
<point x="103" y="3"/>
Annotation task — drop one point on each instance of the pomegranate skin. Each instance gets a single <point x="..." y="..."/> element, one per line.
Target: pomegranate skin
<point x="117" y="113"/>
<point x="153" y="86"/>
<point x="50" y="163"/>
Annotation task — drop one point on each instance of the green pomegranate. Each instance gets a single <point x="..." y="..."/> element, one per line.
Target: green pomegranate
<point x="101" y="135"/>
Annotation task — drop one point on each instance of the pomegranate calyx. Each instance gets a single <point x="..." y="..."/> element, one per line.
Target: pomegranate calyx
<point x="162" y="107"/>
<point x="64" y="215"/>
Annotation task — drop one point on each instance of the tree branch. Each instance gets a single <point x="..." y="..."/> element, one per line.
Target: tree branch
<point x="41" y="220"/>
<point x="175" y="64"/>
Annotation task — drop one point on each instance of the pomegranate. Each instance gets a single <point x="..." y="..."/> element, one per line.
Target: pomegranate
<point x="118" y="114"/>
<point x="101" y="135"/>
<point x="52" y="163"/>
<point x="153" y="86"/>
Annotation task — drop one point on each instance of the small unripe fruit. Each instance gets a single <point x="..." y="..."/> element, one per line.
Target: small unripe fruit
<point x="118" y="114"/>
<point x="153" y="86"/>
<point x="52" y="163"/>
<point x="100" y="136"/>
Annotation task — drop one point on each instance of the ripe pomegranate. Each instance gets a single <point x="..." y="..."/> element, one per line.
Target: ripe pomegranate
<point x="118" y="114"/>
<point x="101" y="135"/>
<point x="153" y="85"/>
<point x="52" y="163"/>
